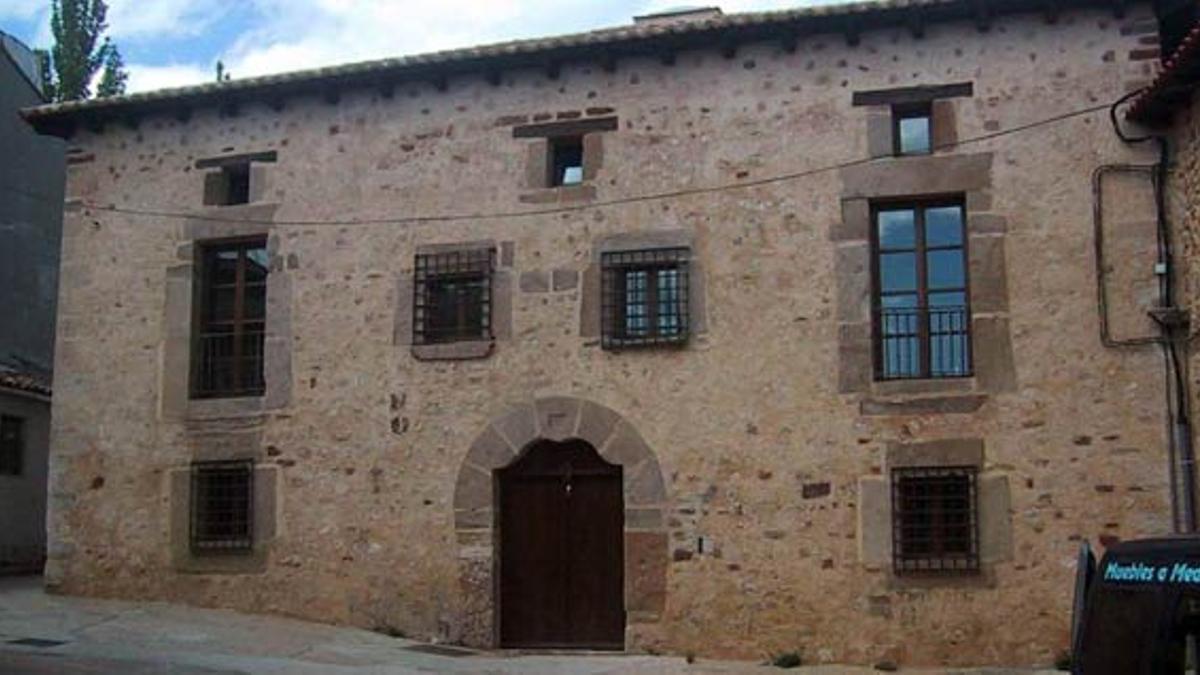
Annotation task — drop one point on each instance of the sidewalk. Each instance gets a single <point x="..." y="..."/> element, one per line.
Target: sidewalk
<point x="42" y="633"/>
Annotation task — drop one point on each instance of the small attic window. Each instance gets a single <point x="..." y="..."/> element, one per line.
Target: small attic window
<point x="227" y="181"/>
<point x="237" y="184"/>
<point x="566" y="160"/>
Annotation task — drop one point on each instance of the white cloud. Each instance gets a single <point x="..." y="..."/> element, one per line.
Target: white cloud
<point x="158" y="18"/>
<point x="21" y="9"/>
<point x="290" y="35"/>
<point x="144" y="77"/>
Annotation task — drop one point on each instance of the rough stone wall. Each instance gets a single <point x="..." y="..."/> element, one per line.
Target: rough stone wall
<point x="761" y="453"/>
<point x="1183" y="207"/>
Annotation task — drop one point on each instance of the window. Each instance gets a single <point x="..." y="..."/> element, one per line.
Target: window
<point x="12" y="445"/>
<point x="566" y="160"/>
<point x="911" y="132"/>
<point x="231" y="319"/>
<point x="644" y="298"/>
<point x="934" y="526"/>
<point x="453" y="296"/>
<point x="229" y="185"/>
<point x="222" y="506"/>
<point x="922" y="317"/>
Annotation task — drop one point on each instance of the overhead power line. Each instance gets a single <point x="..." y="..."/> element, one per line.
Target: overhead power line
<point x="569" y="208"/>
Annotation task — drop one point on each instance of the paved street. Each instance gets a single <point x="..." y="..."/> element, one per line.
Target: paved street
<point x="46" y="634"/>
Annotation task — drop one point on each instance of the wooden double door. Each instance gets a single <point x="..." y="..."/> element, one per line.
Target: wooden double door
<point x="562" y="524"/>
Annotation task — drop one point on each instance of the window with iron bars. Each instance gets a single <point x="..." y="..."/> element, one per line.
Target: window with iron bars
<point x="644" y="298"/>
<point x="921" y="301"/>
<point x="222" y="506"/>
<point x="452" y="296"/>
<point x="231" y="319"/>
<point x="934" y="520"/>
<point x="12" y="445"/>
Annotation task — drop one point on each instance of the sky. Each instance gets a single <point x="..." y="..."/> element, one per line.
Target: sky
<point x="170" y="43"/>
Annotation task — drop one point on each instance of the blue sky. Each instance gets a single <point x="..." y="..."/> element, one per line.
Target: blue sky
<point x="177" y="42"/>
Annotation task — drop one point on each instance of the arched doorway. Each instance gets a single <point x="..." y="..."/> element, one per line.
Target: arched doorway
<point x="509" y="438"/>
<point x="561" y="549"/>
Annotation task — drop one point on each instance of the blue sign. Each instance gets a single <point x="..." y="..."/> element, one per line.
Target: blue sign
<point x="1142" y="573"/>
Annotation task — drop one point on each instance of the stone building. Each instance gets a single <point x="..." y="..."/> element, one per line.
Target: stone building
<point x="31" y="192"/>
<point x="724" y="334"/>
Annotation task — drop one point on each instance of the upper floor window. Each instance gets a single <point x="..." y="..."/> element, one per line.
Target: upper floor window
<point x="12" y="445"/>
<point x="452" y="296"/>
<point x="922" y="316"/>
<point x="935" y="523"/>
<point x="222" y="506"/>
<point x="912" y="131"/>
<point x="644" y="297"/>
<point x="230" y="179"/>
<point x="231" y="319"/>
<point x="566" y="160"/>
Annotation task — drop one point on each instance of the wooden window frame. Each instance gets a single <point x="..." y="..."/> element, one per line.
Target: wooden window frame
<point x="942" y="551"/>
<point x="247" y="379"/>
<point x="920" y="251"/>
<point x="200" y="537"/>
<point x="432" y="269"/>
<point x="12" y="445"/>
<point x="615" y="268"/>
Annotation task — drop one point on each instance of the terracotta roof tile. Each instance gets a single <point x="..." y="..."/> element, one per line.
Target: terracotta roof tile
<point x="524" y="53"/>
<point x="1179" y="75"/>
<point x="24" y="382"/>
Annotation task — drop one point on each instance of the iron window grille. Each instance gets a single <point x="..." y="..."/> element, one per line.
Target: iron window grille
<point x="912" y="129"/>
<point x="232" y="319"/>
<point x="12" y="445"/>
<point x="921" y="300"/>
<point x="644" y="298"/>
<point x="935" y="526"/>
<point x="222" y="506"/>
<point x="452" y="296"/>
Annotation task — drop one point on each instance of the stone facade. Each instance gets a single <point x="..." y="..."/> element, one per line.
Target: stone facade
<point x="755" y="458"/>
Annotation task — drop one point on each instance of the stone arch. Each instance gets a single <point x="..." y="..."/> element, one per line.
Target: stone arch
<point x="559" y="418"/>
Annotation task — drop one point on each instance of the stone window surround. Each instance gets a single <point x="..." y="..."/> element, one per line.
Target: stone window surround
<point x="969" y="175"/>
<point x="260" y="177"/>
<point x="537" y="188"/>
<point x="881" y="105"/>
<point x="265" y="517"/>
<point x="501" y="309"/>
<point x="993" y="512"/>
<point x="559" y="418"/>
<point x="178" y="320"/>
<point x="589" y="306"/>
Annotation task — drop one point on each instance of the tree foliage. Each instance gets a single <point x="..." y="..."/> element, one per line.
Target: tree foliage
<point x="80" y="51"/>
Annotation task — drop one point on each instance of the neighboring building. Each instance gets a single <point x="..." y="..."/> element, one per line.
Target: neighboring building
<point x="718" y="334"/>
<point x="31" y="194"/>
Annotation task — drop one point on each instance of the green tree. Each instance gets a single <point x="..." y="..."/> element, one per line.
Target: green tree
<point x="114" y="77"/>
<point x="80" y="51"/>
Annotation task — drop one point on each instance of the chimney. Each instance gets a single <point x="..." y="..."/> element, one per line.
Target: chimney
<point x="678" y="15"/>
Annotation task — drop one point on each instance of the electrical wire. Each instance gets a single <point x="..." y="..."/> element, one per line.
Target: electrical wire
<point x="570" y="208"/>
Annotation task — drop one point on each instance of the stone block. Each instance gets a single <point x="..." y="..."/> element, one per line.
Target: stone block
<point x="995" y="369"/>
<point x="535" y="281"/>
<point x="519" y="426"/>
<point x="473" y="489"/>
<point x="557" y="417"/>
<point x="646" y="563"/>
<point x="852" y="267"/>
<point x="565" y="279"/>
<point x="874" y="521"/>
<point x="933" y="405"/>
<point x="995" y="518"/>
<point x="490" y="451"/>
<point x="946" y="452"/>
<point x="855" y="357"/>
<point x="879" y="132"/>
<point x="855" y="224"/>
<point x="940" y="174"/>
<point x="596" y="423"/>
<point x="626" y="447"/>
<point x="989" y="274"/>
